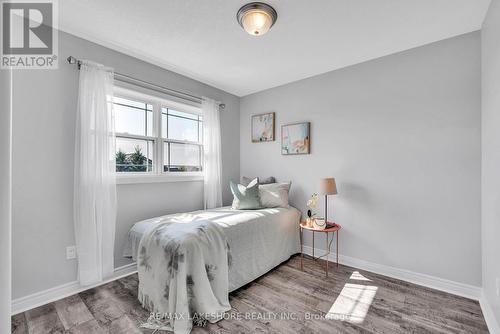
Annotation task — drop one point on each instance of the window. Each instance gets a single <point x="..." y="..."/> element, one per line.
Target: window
<point x="182" y="141"/>
<point x="156" y="136"/>
<point x="134" y="135"/>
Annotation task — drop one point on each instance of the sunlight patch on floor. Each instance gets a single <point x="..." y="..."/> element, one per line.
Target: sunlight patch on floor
<point x="357" y="276"/>
<point x="353" y="303"/>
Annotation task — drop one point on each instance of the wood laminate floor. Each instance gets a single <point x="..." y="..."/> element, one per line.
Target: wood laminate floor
<point x="285" y="300"/>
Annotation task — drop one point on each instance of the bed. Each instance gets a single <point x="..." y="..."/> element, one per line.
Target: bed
<point x="189" y="262"/>
<point x="259" y="239"/>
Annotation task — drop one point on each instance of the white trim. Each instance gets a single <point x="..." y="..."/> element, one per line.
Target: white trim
<point x="157" y="175"/>
<point x="62" y="291"/>
<point x="456" y="288"/>
<point x="132" y="92"/>
<point x="489" y="315"/>
<point x="156" y="178"/>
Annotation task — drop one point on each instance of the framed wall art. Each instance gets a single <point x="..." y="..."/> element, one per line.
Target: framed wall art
<point x="295" y="138"/>
<point x="263" y="127"/>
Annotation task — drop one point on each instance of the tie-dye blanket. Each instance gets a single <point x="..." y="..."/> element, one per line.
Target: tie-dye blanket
<point x="183" y="274"/>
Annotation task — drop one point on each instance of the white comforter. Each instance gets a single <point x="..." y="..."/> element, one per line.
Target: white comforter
<point x="259" y="240"/>
<point x="183" y="274"/>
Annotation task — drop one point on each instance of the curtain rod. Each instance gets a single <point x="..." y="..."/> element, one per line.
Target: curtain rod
<point x="138" y="82"/>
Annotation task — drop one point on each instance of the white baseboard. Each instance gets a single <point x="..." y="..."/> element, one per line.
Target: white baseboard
<point x="489" y="316"/>
<point x="456" y="288"/>
<point x="62" y="291"/>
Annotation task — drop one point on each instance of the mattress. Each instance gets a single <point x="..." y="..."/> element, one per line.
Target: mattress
<point x="259" y="240"/>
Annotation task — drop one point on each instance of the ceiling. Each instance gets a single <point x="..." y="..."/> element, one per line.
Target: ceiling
<point x="202" y="39"/>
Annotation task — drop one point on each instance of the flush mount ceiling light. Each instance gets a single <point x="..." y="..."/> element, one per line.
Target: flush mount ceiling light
<point x="257" y="18"/>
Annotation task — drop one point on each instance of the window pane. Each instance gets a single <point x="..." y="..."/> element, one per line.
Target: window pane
<point x="164" y="123"/>
<point x="149" y="127"/>
<point x="179" y="125"/>
<point x="182" y="114"/>
<point x="134" y="155"/>
<point x="132" y="103"/>
<point x="183" y="157"/>
<point x="200" y="132"/>
<point x="133" y="117"/>
<point x="182" y="129"/>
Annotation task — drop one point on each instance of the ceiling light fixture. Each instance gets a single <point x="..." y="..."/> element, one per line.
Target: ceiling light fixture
<point x="257" y="18"/>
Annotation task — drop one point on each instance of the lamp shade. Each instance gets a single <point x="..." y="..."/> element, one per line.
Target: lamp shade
<point x="328" y="186"/>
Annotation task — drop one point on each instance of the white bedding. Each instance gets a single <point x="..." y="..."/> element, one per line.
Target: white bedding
<point x="259" y="240"/>
<point x="183" y="274"/>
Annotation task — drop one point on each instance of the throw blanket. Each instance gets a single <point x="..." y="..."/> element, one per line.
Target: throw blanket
<point x="183" y="274"/>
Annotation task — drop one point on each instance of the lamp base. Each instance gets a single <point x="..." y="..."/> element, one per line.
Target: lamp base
<point x="330" y="225"/>
<point x="326" y="208"/>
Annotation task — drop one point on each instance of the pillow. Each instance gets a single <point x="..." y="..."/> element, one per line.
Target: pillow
<point x="246" y="197"/>
<point x="246" y="180"/>
<point x="274" y="195"/>
<point x="267" y="180"/>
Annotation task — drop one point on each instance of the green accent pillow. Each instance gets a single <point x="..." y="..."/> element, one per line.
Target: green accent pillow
<point x="246" y="198"/>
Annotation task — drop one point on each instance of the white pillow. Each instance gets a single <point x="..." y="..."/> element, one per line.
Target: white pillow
<point x="274" y="195"/>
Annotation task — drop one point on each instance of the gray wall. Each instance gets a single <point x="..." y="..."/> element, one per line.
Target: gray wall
<point x="43" y="150"/>
<point x="491" y="155"/>
<point x="401" y="134"/>
<point x="5" y="201"/>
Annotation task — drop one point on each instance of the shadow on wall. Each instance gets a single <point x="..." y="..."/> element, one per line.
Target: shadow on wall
<point x="344" y="208"/>
<point x="297" y="198"/>
<point x="353" y="195"/>
<point x="357" y="226"/>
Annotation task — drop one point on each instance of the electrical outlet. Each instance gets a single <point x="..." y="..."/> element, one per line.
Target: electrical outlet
<point x="498" y="287"/>
<point x="70" y="252"/>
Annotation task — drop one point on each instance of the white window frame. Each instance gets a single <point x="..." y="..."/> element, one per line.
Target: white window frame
<point x="157" y="175"/>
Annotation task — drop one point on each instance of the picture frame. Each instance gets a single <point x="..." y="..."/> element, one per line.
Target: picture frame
<point x="263" y="127"/>
<point x="296" y="138"/>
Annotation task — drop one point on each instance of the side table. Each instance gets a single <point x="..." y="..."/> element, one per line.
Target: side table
<point x="331" y="228"/>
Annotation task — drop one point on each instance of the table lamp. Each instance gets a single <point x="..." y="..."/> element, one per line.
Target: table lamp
<point x="327" y="187"/>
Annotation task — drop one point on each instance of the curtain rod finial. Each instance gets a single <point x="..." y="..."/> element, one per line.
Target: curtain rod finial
<point x="72" y="60"/>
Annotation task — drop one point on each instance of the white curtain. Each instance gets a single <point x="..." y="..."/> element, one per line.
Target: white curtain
<point x="95" y="184"/>
<point x="212" y="161"/>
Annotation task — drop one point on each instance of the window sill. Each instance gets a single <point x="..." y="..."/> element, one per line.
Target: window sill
<point x="155" y="178"/>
